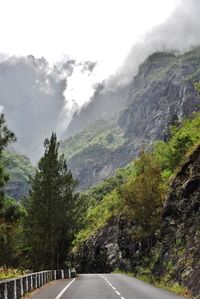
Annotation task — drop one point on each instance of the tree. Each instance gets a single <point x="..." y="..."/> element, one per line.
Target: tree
<point x="6" y="137"/>
<point x="143" y="195"/>
<point x="50" y="210"/>
<point x="9" y="210"/>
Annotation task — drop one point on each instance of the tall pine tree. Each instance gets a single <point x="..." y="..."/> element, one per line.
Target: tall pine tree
<point x="50" y="210"/>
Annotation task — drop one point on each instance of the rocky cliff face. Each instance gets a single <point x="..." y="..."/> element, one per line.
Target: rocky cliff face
<point x="174" y="254"/>
<point x="112" y="248"/>
<point x="161" y="93"/>
<point x="179" y="252"/>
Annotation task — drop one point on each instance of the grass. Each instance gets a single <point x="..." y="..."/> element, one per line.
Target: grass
<point x="168" y="286"/>
<point x="6" y="273"/>
<point x="162" y="284"/>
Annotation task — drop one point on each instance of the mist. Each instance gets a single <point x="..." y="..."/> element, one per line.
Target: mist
<point x="32" y="99"/>
<point x="37" y="98"/>
<point x="178" y="34"/>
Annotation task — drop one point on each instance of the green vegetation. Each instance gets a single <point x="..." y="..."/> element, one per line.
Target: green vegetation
<point x="170" y="154"/>
<point x="101" y="134"/>
<point x="10" y="211"/>
<point x="139" y="190"/>
<point x="48" y="224"/>
<point x="20" y="171"/>
<point x="6" y="273"/>
<point x="19" y="166"/>
<point x="143" y="196"/>
<point x="37" y="232"/>
<point x="165" y="284"/>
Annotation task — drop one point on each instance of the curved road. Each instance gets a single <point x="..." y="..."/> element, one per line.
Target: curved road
<point x="101" y="286"/>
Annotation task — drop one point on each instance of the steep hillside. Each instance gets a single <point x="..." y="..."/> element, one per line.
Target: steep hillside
<point x="162" y="93"/>
<point x="20" y="171"/>
<point x="88" y="153"/>
<point x="168" y="256"/>
<point x="179" y="243"/>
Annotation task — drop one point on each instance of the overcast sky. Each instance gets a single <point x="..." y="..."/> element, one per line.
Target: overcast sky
<point x="97" y="30"/>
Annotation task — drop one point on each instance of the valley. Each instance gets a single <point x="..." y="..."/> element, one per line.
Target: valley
<point x="117" y="190"/>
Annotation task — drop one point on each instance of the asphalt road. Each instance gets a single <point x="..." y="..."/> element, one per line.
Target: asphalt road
<point x="101" y="286"/>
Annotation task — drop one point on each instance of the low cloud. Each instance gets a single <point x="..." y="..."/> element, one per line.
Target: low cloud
<point x="179" y="33"/>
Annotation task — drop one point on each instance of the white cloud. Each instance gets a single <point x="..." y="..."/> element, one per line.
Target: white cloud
<point x="102" y="30"/>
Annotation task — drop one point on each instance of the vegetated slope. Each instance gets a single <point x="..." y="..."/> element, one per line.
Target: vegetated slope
<point x="112" y="237"/>
<point x="162" y="93"/>
<point x="89" y="152"/>
<point x="20" y="170"/>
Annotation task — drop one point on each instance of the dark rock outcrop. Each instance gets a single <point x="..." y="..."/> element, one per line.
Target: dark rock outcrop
<point x="113" y="247"/>
<point x="179" y="253"/>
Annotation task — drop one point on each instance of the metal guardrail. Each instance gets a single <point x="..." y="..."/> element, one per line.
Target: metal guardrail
<point x="16" y="288"/>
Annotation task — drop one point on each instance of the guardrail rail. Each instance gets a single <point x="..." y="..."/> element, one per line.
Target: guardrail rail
<point x="16" y="288"/>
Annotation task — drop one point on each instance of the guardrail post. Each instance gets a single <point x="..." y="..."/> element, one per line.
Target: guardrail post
<point x="15" y="289"/>
<point x="31" y="282"/>
<point x="21" y="285"/>
<point x="62" y="274"/>
<point x="6" y="291"/>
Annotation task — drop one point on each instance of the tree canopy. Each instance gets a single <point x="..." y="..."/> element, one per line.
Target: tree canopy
<point x="50" y="210"/>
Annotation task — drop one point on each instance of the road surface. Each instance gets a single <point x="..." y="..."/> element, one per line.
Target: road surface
<point x="101" y="286"/>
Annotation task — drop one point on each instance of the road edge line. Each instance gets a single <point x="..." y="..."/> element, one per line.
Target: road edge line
<point x="63" y="290"/>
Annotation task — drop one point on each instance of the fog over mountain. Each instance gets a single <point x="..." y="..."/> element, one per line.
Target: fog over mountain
<point x="178" y="34"/>
<point x="33" y="101"/>
<point x="37" y="98"/>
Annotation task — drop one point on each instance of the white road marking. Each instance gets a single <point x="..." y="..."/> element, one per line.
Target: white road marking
<point x="118" y="293"/>
<point x="62" y="292"/>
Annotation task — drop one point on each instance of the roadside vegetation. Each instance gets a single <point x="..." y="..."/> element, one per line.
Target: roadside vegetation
<point x="36" y="232"/>
<point x="164" y="284"/>
<point x="139" y="190"/>
<point x="6" y="273"/>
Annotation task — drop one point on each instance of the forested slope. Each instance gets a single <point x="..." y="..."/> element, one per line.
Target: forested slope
<point x="147" y="222"/>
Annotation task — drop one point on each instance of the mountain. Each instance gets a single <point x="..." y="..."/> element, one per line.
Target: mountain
<point x="89" y="152"/>
<point x="104" y="104"/>
<point x="160" y="94"/>
<point x="20" y="171"/>
<point x="111" y="239"/>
